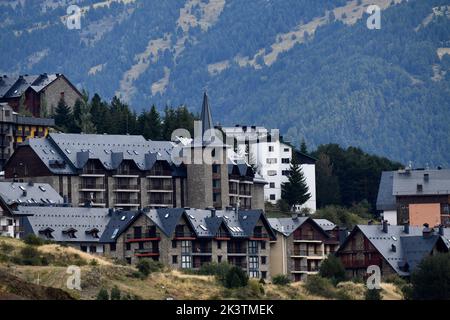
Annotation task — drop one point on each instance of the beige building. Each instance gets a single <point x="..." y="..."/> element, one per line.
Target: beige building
<point x="302" y="243"/>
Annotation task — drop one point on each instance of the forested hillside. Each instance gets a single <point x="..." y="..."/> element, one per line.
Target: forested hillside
<point x="311" y="68"/>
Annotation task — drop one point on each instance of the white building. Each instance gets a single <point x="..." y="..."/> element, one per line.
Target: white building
<point x="8" y="222"/>
<point x="272" y="158"/>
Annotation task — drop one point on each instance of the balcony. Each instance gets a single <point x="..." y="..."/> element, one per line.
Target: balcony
<point x="126" y="187"/>
<point x="126" y="174"/>
<point x="92" y="172"/>
<point x="243" y="192"/>
<point x="95" y="202"/>
<point x="300" y="268"/>
<point x="146" y="236"/>
<point x="126" y="202"/>
<point x="162" y="174"/>
<point x="306" y="237"/>
<point x="152" y="252"/>
<point x="260" y="236"/>
<point x="233" y="191"/>
<point x="160" y="187"/>
<point x="91" y="187"/>
<point x="199" y="250"/>
<point x="306" y="253"/>
<point x="236" y="250"/>
<point x="180" y="235"/>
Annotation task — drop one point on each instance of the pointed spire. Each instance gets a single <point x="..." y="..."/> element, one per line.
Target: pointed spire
<point x="206" y="117"/>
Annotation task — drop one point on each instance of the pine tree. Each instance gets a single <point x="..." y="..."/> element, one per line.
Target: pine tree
<point x="149" y="124"/>
<point x="83" y="116"/>
<point x="64" y="117"/>
<point x="295" y="191"/>
<point x="103" y="294"/>
<point x="303" y="147"/>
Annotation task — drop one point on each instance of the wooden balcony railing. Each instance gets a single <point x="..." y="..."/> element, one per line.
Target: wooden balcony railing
<point x="145" y="236"/>
<point x="236" y="250"/>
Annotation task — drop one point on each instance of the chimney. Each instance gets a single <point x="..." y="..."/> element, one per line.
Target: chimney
<point x="30" y="183"/>
<point x="385" y="226"/>
<point x="213" y="212"/>
<point x="406" y="228"/>
<point x="65" y="199"/>
<point x="24" y="193"/>
<point x="393" y="248"/>
<point x="427" y="231"/>
<point x="441" y="230"/>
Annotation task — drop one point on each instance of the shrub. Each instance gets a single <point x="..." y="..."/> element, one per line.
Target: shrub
<point x="431" y="279"/>
<point x="115" y="293"/>
<point x="333" y="269"/>
<point x="93" y="262"/>
<point x="30" y="256"/>
<point x="147" y="266"/>
<point x="33" y="240"/>
<point x="373" y="294"/>
<point x="6" y="248"/>
<point x="103" y="294"/>
<point x="235" y="278"/>
<point x="219" y="270"/>
<point x="281" y="280"/>
<point x="319" y="286"/>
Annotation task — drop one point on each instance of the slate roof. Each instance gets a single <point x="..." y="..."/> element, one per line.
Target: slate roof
<point x="410" y="251"/>
<point x="386" y="199"/>
<point x="239" y="224"/>
<point x="61" y="219"/>
<point x="287" y="226"/>
<point x="15" y="86"/>
<point x="118" y="222"/>
<point x="438" y="182"/>
<point x="31" y="195"/>
<point x="74" y="150"/>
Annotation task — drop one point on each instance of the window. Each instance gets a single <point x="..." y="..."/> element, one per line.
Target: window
<point x="128" y="246"/>
<point x="286" y="150"/>
<point x="271" y="160"/>
<point x="219" y="259"/>
<point x="285" y="160"/>
<point x="253" y="267"/>
<point x="263" y="260"/>
<point x="219" y="245"/>
<point x="271" y="148"/>
<point x="93" y="249"/>
<point x="174" y="259"/>
<point x="285" y="172"/>
<point x="253" y="247"/>
<point x="141" y="245"/>
<point x="272" y="197"/>
<point x="263" y="245"/>
<point x="112" y="247"/>
<point x="271" y="173"/>
<point x="263" y="274"/>
<point x="272" y="185"/>
<point x="7" y="113"/>
<point x="186" y="246"/>
<point x="186" y="262"/>
<point x="174" y="244"/>
<point x="216" y="168"/>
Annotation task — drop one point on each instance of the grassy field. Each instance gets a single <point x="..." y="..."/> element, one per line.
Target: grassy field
<point x="169" y="284"/>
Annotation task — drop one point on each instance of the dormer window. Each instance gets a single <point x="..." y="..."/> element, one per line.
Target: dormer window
<point x="47" y="232"/>
<point x="93" y="232"/>
<point x="70" y="232"/>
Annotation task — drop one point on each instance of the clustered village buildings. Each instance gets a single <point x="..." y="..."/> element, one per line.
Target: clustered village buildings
<point x="129" y="198"/>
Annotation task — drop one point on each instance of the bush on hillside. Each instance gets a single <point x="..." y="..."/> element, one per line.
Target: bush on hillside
<point x="333" y="269"/>
<point x="148" y="266"/>
<point x="33" y="240"/>
<point x="103" y="294"/>
<point x="115" y="293"/>
<point x="281" y="280"/>
<point x="431" y="279"/>
<point x="235" y="278"/>
<point x="373" y="294"/>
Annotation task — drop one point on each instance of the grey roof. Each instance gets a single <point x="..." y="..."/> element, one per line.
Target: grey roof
<point x="74" y="150"/>
<point x="239" y="224"/>
<point x="287" y="226"/>
<point x="325" y="224"/>
<point x="118" y="222"/>
<point x="61" y="219"/>
<point x="15" y="86"/>
<point x="404" y="253"/>
<point x="32" y="121"/>
<point x="386" y="199"/>
<point x="27" y="194"/>
<point x="405" y="182"/>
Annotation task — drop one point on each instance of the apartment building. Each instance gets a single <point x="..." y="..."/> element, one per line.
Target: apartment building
<point x="182" y="238"/>
<point x="301" y="245"/>
<point x="39" y="94"/>
<point x="15" y="129"/>
<point x="189" y="238"/>
<point x="415" y="197"/>
<point x="396" y="250"/>
<point x="14" y="194"/>
<point x="130" y="172"/>
<point x="272" y="157"/>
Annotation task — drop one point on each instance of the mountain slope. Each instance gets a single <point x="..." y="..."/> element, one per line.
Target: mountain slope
<point x="282" y="63"/>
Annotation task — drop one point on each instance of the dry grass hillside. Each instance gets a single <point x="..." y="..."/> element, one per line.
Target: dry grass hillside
<point x="49" y="280"/>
